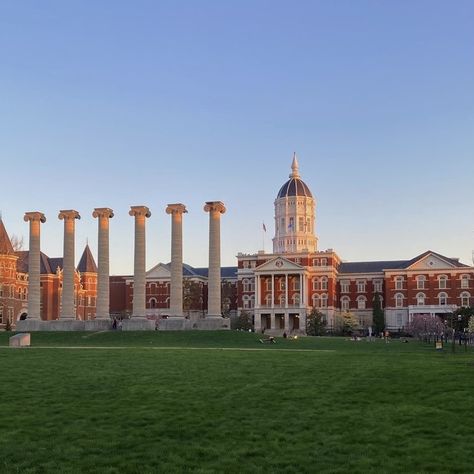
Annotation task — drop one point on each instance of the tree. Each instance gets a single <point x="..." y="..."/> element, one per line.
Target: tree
<point x="461" y="317"/>
<point x="17" y="242"/>
<point x="244" y="321"/>
<point x="470" y="326"/>
<point x="424" y="324"/>
<point x="378" y="314"/>
<point x="315" y="323"/>
<point x="192" y="296"/>
<point x="347" y="323"/>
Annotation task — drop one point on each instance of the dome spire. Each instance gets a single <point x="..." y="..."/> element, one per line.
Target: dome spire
<point x="294" y="167"/>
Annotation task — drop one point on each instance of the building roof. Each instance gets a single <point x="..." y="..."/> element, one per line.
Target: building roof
<point x="6" y="247"/>
<point x="294" y="187"/>
<point x="372" y="267"/>
<point x="87" y="263"/>
<point x="22" y="264"/>
<point x="189" y="271"/>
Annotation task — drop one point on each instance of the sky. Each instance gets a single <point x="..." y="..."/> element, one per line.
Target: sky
<point x="111" y="103"/>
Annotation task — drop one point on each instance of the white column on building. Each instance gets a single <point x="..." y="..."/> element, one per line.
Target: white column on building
<point x="257" y="291"/>
<point x="67" y="297"/>
<point x="176" y="289"/>
<point x="139" y="279"/>
<point x="273" y="290"/>
<point x="34" y="268"/>
<point x="301" y="290"/>
<point x="103" y="292"/>
<point x="286" y="290"/>
<point x="215" y="209"/>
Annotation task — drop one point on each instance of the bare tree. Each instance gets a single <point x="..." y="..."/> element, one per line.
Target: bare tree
<point x="17" y="242"/>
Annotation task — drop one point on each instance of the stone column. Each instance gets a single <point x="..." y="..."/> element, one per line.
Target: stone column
<point x="34" y="259"/>
<point x="67" y="298"/>
<point x="139" y="280"/>
<point x="103" y="296"/>
<point x="176" y="289"/>
<point x="215" y="209"/>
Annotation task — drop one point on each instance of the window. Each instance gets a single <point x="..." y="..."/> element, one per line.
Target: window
<point x="464" y="281"/>
<point x="345" y="285"/>
<point x="465" y="296"/>
<point x="296" y="284"/>
<point x="152" y="302"/>
<point x="465" y="299"/>
<point x="315" y="262"/>
<point x="345" y="302"/>
<point x="282" y="300"/>
<point x="316" y="301"/>
<point x="282" y="224"/>
<point x="360" y="286"/>
<point x="443" y="299"/>
<point x="268" y="300"/>
<point x="296" y="299"/>
<point x="399" y="283"/>
<point x="291" y="225"/>
<point x="420" y="282"/>
<point x="301" y="224"/>
<point x="420" y="299"/>
<point x="442" y="280"/>
<point x="399" y="300"/>
<point x="377" y="286"/>
<point x="268" y="284"/>
<point x="282" y="284"/>
<point x="324" y="262"/>
<point x="324" y="300"/>
<point x="324" y="283"/>
<point x="361" y="302"/>
<point x="247" y="285"/>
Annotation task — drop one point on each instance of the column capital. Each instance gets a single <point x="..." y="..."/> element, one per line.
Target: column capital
<point x="68" y="214"/>
<point x="139" y="211"/>
<point x="215" y="206"/>
<point x="103" y="212"/>
<point x="176" y="209"/>
<point x="34" y="216"/>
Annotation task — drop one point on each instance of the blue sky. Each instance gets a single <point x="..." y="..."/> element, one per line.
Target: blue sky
<point x="112" y="103"/>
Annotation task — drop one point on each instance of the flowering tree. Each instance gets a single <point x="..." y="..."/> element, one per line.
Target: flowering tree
<point x="421" y="324"/>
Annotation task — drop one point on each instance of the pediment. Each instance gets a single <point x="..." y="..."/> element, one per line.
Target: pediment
<point x="159" y="271"/>
<point x="279" y="264"/>
<point x="431" y="261"/>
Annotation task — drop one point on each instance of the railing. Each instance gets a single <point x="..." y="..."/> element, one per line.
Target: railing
<point x="280" y="306"/>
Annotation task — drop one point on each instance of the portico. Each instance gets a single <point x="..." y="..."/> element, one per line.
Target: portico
<point x="280" y="296"/>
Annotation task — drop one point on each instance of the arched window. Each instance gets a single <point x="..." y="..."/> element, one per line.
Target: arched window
<point x="152" y="302"/>
<point x="252" y="284"/>
<point x="296" y="299"/>
<point x="246" y="301"/>
<point x="315" y="283"/>
<point x="324" y="283"/>
<point x="399" y="300"/>
<point x="252" y="301"/>
<point x="245" y="284"/>
<point x="324" y="300"/>
<point x="324" y="262"/>
<point x="420" y="299"/>
<point x="268" y="284"/>
<point x="282" y="300"/>
<point x="345" y="303"/>
<point x="361" y="302"/>
<point x="464" y="281"/>
<point x="443" y="299"/>
<point x="316" y="301"/>
<point x="268" y="300"/>
<point x="465" y="298"/>
<point x="420" y="282"/>
<point x="442" y="280"/>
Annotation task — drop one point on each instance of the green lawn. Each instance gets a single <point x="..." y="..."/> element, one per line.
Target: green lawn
<point x="174" y="402"/>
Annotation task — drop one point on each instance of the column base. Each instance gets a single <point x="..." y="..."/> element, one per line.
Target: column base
<point x="26" y="325"/>
<point x="212" y="323"/>
<point x="175" y="323"/>
<point x="138" y="324"/>
<point x="98" y="325"/>
<point x="63" y="325"/>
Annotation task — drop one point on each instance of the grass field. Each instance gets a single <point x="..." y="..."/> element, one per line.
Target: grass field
<point x="223" y="402"/>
